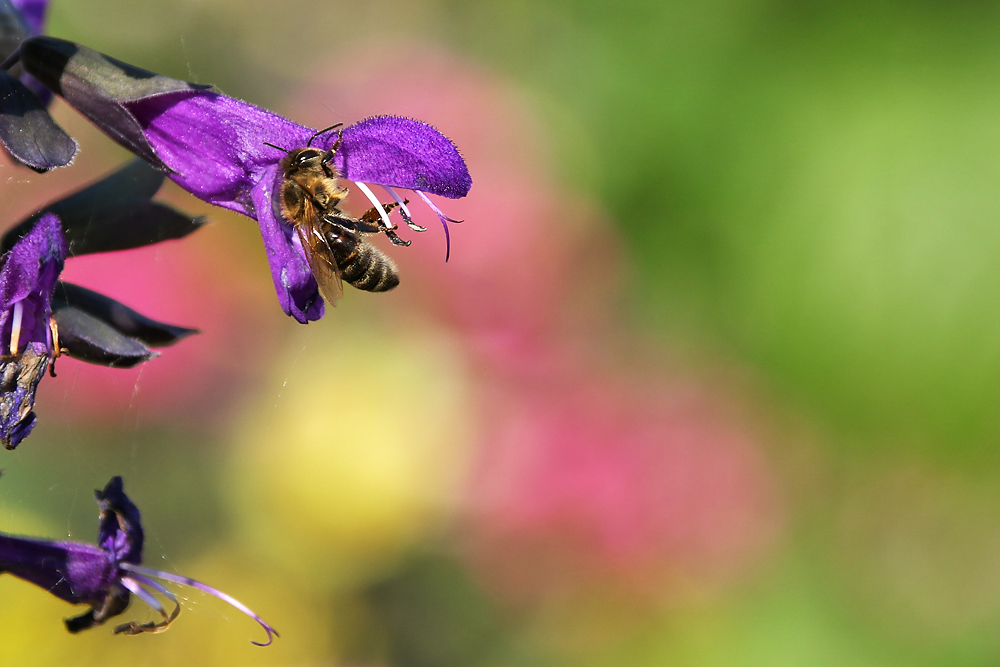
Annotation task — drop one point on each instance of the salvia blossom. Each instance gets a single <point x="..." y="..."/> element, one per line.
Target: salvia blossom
<point x="26" y="130"/>
<point x="105" y="575"/>
<point x="222" y="150"/>
<point x="41" y="318"/>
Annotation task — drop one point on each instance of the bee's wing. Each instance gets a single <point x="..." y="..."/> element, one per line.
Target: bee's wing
<point x="321" y="260"/>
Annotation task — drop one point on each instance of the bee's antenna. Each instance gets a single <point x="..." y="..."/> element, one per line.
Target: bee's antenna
<point x="332" y="127"/>
<point x="278" y="147"/>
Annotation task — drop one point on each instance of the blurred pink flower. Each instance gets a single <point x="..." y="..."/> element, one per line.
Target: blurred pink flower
<point x="584" y="475"/>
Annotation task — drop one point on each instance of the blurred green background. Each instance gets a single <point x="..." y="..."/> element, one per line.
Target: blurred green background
<point x="710" y="378"/>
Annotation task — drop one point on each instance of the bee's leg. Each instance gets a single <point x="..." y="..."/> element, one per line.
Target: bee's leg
<point x="371" y="223"/>
<point x="334" y="148"/>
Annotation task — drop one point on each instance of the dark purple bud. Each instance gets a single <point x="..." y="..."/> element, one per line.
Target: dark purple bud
<point x="99" y="86"/>
<point x="115" y="213"/>
<point x="27" y="130"/>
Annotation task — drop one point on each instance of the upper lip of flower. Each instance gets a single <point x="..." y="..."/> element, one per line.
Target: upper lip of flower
<point x="105" y="575"/>
<point x="222" y="149"/>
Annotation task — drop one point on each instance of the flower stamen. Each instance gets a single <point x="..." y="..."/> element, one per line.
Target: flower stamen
<point x="376" y="203"/>
<point x="205" y="588"/>
<point x="133" y="584"/>
<point x="15" y="327"/>
<point x="444" y="222"/>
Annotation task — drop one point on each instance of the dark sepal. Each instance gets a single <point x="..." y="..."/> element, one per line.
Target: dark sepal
<point x="13" y="28"/>
<point x="118" y="316"/>
<point x="98" y="86"/>
<point x="112" y="606"/>
<point x="87" y="338"/>
<point x="27" y="130"/>
<point x="114" y="213"/>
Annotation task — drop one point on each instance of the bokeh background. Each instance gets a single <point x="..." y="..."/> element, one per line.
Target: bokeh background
<point x="710" y="379"/>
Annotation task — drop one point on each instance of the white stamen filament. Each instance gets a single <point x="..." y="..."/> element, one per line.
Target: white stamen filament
<point x="374" y="200"/>
<point x="444" y="223"/>
<point x="135" y="585"/>
<point x="143" y="594"/>
<point x="155" y="585"/>
<point x="15" y="327"/>
<point x="186" y="581"/>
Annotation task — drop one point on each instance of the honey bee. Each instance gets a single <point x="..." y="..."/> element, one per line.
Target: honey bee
<point x="332" y="239"/>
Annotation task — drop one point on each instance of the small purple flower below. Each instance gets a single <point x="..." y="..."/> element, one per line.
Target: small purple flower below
<point x="222" y="150"/>
<point x="107" y="574"/>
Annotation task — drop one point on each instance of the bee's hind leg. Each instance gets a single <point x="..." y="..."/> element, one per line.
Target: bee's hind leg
<point x="371" y="223"/>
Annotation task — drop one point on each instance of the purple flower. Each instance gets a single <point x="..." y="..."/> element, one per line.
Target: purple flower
<point x="41" y="318"/>
<point x="27" y="281"/>
<point x="223" y="150"/>
<point x="107" y="574"/>
<point x="26" y="130"/>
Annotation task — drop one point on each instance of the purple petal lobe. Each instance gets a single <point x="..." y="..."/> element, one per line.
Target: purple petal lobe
<point x="214" y="144"/>
<point x="27" y="130"/>
<point x="98" y="86"/>
<point x="297" y="290"/>
<point x="404" y="153"/>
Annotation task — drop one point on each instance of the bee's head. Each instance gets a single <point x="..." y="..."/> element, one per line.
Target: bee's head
<point x="303" y="158"/>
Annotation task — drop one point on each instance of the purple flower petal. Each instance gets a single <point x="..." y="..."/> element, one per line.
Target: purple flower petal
<point x="76" y="573"/>
<point x="215" y="144"/>
<point x="29" y="277"/>
<point x="297" y="290"/>
<point x="33" y="12"/>
<point x="402" y="153"/>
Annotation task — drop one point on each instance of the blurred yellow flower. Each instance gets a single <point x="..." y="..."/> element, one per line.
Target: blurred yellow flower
<point x="353" y="453"/>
